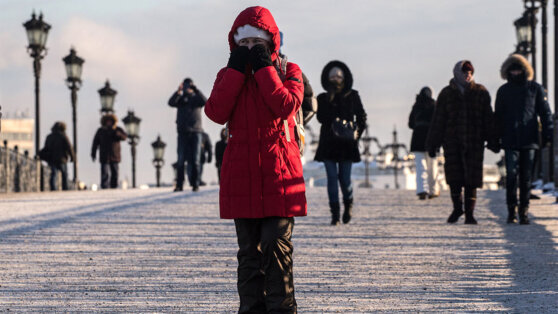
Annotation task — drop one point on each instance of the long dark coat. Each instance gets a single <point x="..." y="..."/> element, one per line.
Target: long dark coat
<point x="419" y="121"/>
<point x="108" y="143"/>
<point x="346" y="105"/>
<point x="461" y="125"/>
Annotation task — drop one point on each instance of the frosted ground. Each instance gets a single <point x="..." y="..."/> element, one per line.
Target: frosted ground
<point x="158" y="251"/>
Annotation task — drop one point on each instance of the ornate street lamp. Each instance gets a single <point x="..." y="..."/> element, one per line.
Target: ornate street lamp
<point x="131" y="122"/>
<point x="37" y="32"/>
<point x="158" y="162"/>
<point x="523" y="32"/>
<point x="73" y="65"/>
<point x="107" y="98"/>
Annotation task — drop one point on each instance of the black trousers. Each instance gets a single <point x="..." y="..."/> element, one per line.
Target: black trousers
<point x="519" y="163"/>
<point x="109" y="175"/>
<point x="265" y="265"/>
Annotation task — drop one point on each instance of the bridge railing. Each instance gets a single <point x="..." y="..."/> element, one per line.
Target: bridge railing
<point x="19" y="172"/>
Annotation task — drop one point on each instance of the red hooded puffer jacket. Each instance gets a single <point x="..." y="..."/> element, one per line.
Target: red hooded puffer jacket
<point x="261" y="175"/>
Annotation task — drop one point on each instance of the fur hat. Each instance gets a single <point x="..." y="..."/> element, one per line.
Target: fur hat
<point x="108" y="117"/>
<point x="519" y="60"/>
<point x="248" y="31"/>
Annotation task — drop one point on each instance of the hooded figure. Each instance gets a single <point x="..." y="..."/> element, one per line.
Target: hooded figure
<point x="426" y="166"/>
<point x="462" y="123"/>
<point x="339" y="109"/>
<point x="58" y="149"/>
<point x="519" y="104"/>
<point x="262" y="184"/>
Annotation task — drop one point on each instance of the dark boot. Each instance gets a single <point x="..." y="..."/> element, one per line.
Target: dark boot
<point x="511" y="214"/>
<point x="335" y="208"/>
<point x="469" y="209"/>
<point x="523" y="219"/>
<point x="457" y="201"/>
<point x="348" y="211"/>
<point x="422" y="195"/>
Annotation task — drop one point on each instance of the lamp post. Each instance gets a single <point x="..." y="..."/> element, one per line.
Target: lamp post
<point x="131" y="122"/>
<point x="107" y="95"/>
<point x="37" y="32"/>
<point x="523" y="34"/>
<point x="73" y="81"/>
<point x="555" y="141"/>
<point x="158" y="162"/>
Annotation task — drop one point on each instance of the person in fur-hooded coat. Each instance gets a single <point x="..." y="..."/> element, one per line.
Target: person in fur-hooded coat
<point x="520" y="103"/>
<point x="462" y="123"/>
<point x="339" y="103"/>
<point x="107" y="141"/>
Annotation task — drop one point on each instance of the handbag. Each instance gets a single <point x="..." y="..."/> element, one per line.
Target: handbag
<point x="344" y="130"/>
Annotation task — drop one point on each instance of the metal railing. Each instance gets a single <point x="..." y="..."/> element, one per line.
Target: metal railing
<point x="19" y="172"/>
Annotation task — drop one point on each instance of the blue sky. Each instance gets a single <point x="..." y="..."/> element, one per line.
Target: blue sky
<point x="147" y="47"/>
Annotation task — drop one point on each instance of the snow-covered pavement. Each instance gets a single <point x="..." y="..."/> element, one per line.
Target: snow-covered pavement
<point x="158" y="251"/>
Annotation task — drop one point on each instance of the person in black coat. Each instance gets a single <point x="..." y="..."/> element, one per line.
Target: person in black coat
<point x="107" y="140"/>
<point x="189" y="102"/>
<point x="57" y="150"/>
<point x="220" y="147"/>
<point x="519" y="104"/>
<point x="343" y="120"/>
<point x="206" y="154"/>
<point x="426" y="166"/>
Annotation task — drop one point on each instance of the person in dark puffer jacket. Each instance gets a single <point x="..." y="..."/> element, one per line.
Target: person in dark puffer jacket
<point x="59" y="150"/>
<point x="426" y="166"/>
<point x="463" y="121"/>
<point x="339" y="103"/>
<point x="519" y="104"/>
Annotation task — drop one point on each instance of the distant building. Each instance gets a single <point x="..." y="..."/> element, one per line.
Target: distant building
<point x="18" y="131"/>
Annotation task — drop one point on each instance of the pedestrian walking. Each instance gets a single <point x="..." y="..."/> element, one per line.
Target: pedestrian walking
<point x="107" y="140"/>
<point x="426" y="166"/>
<point x="343" y="119"/>
<point x="206" y="154"/>
<point x="188" y="101"/>
<point x="519" y="104"/>
<point x="220" y="147"/>
<point x="262" y="184"/>
<point x="56" y="153"/>
<point x="463" y="122"/>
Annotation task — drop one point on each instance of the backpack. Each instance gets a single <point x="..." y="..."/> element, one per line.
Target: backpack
<point x="298" y="117"/>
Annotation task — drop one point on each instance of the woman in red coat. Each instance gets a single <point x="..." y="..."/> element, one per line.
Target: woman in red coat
<point x="262" y="186"/>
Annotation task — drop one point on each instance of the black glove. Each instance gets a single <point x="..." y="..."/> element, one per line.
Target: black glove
<point x="432" y="153"/>
<point x="259" y="57"/>
<point x="239" y="58"/>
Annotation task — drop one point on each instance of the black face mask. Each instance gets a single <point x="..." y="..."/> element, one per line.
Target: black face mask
<point x="518" y="79"/>
<point x="336" y="87"/>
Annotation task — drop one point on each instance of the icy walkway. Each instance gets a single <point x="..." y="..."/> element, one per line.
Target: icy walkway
<point x="158" y="251"/>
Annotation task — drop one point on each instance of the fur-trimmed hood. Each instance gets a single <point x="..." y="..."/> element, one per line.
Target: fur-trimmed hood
<point x="347" y="75"/>
<point x="520" y="60"/>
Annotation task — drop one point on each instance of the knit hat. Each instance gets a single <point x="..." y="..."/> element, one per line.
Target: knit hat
<point x="467" y="66"/>
<point x="335" y="71"/>
<point x="248" y="31"/>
